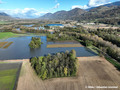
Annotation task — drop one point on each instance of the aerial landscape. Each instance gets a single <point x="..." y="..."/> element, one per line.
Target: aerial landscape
<point x="60" y="45"/>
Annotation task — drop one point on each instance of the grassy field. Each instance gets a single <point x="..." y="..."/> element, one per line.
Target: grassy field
<point x="7" y="79"/>
<point x="4" y="22"/>
<point x="7" y="35"/>
<point x="9" y="73"/>
<point x="92" y="71"/>
<point x="63" y="45"/>
<point x="4" y="35"/>
<point x="94" y="49"/>
<point x="115" y="63"/>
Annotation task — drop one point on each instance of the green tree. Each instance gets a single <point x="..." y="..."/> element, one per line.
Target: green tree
<point x="65" y="71"/>
<point x="44" y="76"/>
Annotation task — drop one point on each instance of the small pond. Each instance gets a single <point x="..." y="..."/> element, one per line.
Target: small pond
<point x="54" y="25"/>
<point x="28" y="25"/>
<point x="20" y="49"/>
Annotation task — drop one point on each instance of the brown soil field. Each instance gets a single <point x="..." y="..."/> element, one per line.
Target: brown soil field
<point x="2" y="44"/>
<point x="8" y="44"/>
<point x="93" y="71"/>
<point x="99" y="26"/>
<point x="63" y="45"/>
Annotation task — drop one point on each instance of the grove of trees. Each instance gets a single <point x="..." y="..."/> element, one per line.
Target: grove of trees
<point x="35" y="42"/>
<point x="57" y="65"/>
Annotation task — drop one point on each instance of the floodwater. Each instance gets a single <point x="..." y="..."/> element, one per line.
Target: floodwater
<point x="20" y="49"/>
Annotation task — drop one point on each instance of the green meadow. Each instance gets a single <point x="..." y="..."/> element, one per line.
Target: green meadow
<point x="7" y="79"/>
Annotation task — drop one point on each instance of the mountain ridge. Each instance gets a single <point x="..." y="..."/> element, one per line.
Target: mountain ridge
<point x="81" y="14"/>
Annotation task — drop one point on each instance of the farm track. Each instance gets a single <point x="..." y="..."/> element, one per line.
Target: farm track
<point x="93" y="71"/>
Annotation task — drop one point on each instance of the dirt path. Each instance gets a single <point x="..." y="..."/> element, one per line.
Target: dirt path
<point x="93" y="71"/>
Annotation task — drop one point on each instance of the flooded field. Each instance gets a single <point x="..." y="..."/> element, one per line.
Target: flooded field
<point x="20" y="49"/>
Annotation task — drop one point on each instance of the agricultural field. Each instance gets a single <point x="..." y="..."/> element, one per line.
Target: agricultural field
<point x="63" y="45"/>
<point x="4" y="22"/>
<point x="2" y="44"/>
<point x="9" y="73"/>
<point x="8" y="44"/>
<point x="5" y="44"/>
<point x="93" y="71"/>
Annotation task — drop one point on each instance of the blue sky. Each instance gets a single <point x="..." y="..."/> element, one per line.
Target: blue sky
<point x="36" y="8"/>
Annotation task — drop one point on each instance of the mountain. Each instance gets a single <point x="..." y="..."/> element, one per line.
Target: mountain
<point x="108" y="5"/>
<point x="111" y="10"/>
<point x="4" y="16"/>
<point x="101" y="12"/>
<point x="113" y="4"/>
<point x="63" y="15"/>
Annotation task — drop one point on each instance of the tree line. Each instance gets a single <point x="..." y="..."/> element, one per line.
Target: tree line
<point x="88" y="38"/>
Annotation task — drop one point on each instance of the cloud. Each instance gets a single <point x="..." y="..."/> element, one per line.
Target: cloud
<point x="23" y="13"/>
<point x="28" y="12"/>
<point x="79" y="6"/>
<point x="56" y="6"/>
<point x="92" y="3"/>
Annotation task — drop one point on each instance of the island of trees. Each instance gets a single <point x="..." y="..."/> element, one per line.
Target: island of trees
<point x="35" y="42"/>
<point x="58" y="65"/>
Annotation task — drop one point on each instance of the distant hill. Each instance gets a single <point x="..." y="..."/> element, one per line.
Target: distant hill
<point x="4" y="16"/>
<point x="63" y="15"/>
<point x="108" y="5"/>
<point x="113" y="4"/>
<point x="100" y="12"/>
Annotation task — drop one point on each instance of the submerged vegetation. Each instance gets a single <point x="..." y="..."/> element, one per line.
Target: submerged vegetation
<point x="35" y="42"/>
<point x="58" y="65"/>
<point x="8" y="44"/>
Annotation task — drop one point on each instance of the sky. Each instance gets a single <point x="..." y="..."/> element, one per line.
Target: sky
<point x="37" y="8"/>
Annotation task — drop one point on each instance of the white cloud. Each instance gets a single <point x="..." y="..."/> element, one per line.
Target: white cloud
<point x="79" y="6"/>
<point x="56" y="6"/>
<point x="28" y="12"/>
<point x="23" y="13"/>
<point x="92" y="3"/>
